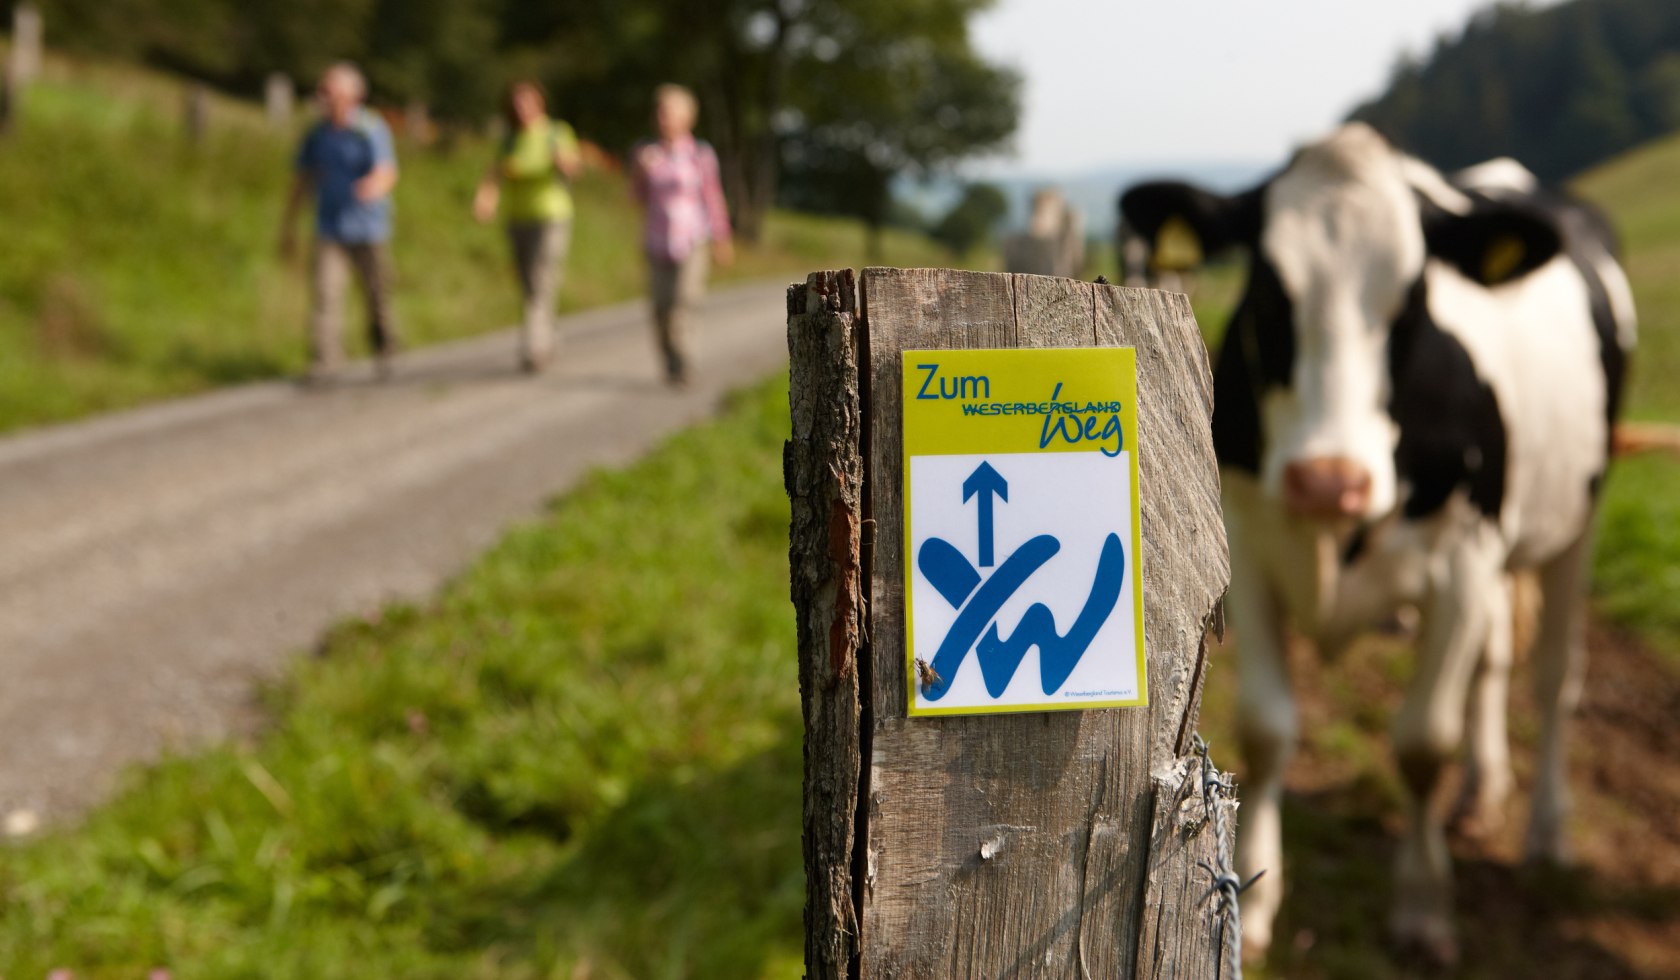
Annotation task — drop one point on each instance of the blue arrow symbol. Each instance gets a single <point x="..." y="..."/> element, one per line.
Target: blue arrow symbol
<point x="985" y="481"/>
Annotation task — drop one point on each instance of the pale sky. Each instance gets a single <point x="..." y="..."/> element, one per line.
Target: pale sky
<point x="1171" y="81"/>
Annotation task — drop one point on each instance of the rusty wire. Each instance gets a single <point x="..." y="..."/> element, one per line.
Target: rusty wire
<point x="1226" y="885"/>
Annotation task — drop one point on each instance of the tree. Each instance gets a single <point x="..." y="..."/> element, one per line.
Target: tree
<point x="897" y="101"/>
<point x="972" y="219"/>
<point x="1659" y="94"/>
<point x="1558" y="87"/>
<point x="1598" y="117"/>
<point x="438" y="52"/>
<point x="837" y="93"/>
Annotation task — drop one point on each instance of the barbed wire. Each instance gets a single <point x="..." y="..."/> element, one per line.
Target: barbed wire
<point x="1226" y="885"/>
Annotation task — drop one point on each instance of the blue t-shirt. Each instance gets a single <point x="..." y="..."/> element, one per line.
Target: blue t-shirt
<point x="335" y="159"/>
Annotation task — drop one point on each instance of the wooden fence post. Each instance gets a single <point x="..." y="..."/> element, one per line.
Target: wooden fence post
<point x="22" y="63"/>
<point x="279" y="98"/>
<point x="26" y="44"/>
<point x="417" y="122"/>
<point x="11" y="95"/>
<point x="195" y="112"/>
<point x="1059" y="844"/>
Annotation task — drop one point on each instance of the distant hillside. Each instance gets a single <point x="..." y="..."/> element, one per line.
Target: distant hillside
<point x="1094" y="193"/>
<point x="1559" y="88"/>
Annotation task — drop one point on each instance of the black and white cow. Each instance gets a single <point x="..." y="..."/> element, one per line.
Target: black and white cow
<point x="1412" y="403"/>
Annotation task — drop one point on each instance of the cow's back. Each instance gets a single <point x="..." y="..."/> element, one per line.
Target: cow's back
<point x="1553" y="348"/>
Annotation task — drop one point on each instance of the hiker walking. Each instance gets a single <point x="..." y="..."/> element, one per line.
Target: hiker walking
<point x="529" y="182"/>
<point x="675" y="178"/>
<point x="346" y="161"/>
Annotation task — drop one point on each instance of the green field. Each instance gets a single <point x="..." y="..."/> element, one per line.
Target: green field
<point x="1637" y="576"/>
<point x="138" y="267"/>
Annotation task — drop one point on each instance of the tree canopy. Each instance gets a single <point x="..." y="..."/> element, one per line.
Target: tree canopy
<point x="837" y="95"/>
<point x="1559" y="88"/>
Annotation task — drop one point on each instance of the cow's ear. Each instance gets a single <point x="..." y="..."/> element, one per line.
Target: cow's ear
<point x="1496" y="242"/>
<point x="1184" y="224"/>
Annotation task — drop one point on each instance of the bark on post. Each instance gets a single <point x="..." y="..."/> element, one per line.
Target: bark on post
<point x="823" y="471"/>
<point x="1063" y="844"/>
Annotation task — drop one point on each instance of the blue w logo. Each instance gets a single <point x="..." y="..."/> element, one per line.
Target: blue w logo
<point x="978" y="602"/>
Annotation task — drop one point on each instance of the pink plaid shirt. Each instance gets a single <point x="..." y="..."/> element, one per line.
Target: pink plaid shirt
<point x="678" y="185"/>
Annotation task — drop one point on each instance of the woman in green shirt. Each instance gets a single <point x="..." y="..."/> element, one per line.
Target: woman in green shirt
<point x="528" y="180"/>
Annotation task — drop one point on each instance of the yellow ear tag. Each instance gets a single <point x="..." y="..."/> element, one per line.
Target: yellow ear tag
<point x="1176" y="246"/>
<point x="1504" y="254"/>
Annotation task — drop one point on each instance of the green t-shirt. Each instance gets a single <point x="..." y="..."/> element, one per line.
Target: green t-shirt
<point x="531" y="186"/>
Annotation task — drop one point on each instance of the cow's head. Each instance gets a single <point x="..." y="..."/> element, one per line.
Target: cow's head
<point x="1339" y="240"/>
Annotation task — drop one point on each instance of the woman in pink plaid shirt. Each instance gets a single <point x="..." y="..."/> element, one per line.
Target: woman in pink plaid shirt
<point x="675" y="177"/>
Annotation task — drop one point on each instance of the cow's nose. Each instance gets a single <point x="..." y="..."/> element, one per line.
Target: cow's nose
<point x="1331" y="486"/>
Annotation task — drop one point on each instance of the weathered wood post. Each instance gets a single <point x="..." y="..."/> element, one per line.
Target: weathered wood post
<point x="1065" y="843"/>
<point x="279" y="99"/>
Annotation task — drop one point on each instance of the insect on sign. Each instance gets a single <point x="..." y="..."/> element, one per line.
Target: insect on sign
<point x="1022" y="531"/>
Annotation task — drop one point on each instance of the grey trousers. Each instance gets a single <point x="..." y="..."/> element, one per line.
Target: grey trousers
<point x="330" y="275"/>
<point x="539" y="256"/>
<point x="674" y="286"/>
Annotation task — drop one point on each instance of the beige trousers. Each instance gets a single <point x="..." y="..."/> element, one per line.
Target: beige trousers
<point x="539" y="256"/>
<point x="674" y="286"/>
<point x="330" y="269"/>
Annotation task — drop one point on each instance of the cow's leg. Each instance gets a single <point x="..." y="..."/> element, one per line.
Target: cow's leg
<point x="1465" y="597"/>
<point x="1487" y="776"/>
<point x="1267" y="723"/>
<point x="1560" y="654"/>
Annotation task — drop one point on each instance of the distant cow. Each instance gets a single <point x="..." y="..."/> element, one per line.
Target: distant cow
<point x="1144" y="262"/>
<point x="1413" y="401"/>
<point x="1054" y="242"/>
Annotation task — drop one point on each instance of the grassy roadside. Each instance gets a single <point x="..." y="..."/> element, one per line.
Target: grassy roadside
<point x="582" y="759"/>
<point x="139" y="267"/>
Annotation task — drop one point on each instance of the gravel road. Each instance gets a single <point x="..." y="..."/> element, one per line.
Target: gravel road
<point x="155" y="564"/>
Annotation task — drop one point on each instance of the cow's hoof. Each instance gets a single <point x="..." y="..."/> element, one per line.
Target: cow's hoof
<point x="1547" y="851"/>
<point x="1546" y="844"/>
<point x="1478" y="814"/>
<point x="1256" y="942"/>
<point x="1424" y="936"/>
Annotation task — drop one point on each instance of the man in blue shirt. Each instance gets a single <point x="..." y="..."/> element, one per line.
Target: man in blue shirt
<point x="347" y="162"/>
